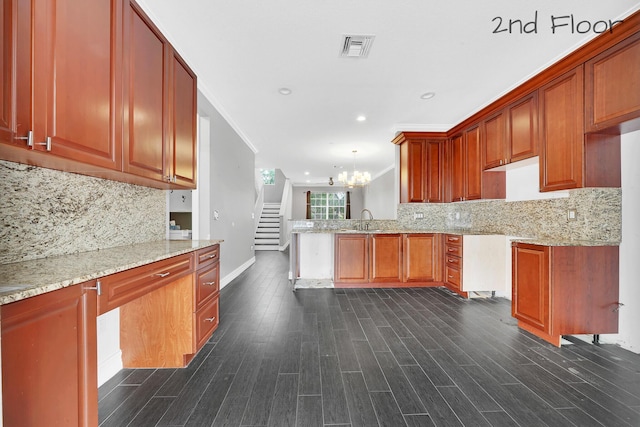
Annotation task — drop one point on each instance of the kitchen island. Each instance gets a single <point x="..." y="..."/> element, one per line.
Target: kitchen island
<point x="385" y="255"/>
<point x="167" y="293"/>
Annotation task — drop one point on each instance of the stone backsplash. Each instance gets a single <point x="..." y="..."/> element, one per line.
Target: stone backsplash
<point x="47" y="213"/>
<point x="599" y="216"/>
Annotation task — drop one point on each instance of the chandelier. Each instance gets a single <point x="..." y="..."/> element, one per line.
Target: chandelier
<point x="358" y="179"/>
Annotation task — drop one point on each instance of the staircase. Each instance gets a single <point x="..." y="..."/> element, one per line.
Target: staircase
<point x="268" y="232"/>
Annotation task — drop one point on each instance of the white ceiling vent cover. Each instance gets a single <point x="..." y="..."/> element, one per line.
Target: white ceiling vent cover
<point x="356" y="46"/>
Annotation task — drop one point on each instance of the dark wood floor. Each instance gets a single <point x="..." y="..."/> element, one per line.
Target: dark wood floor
<point x="388" y="357"/>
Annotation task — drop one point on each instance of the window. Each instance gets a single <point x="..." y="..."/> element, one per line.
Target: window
<point x="268" y="176"/>
<point x="328" y="205"/>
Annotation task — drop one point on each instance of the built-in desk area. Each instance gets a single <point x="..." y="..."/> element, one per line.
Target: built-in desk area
<point x="167" y="293"/>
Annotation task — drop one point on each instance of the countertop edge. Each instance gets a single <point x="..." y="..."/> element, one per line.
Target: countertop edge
<point x="19" y="281"/>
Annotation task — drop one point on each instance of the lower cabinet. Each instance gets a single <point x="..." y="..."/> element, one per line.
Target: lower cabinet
<point x="565" y="290"/>
<point x="386" y="260"/>
<point x="49" y="361"/>
<point x="166" y="328"/>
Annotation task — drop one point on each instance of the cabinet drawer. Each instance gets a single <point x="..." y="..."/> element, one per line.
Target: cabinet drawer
<point x="453" y="261"/>
<point x="207" y="283"/>
<point x="453" y="276"/>
<point x="453" y="239"/>
<point x="452" y="250"/>
<point x="207" y="256"/>
<point x="120" y="288"/>
<point x="206" y="321"/>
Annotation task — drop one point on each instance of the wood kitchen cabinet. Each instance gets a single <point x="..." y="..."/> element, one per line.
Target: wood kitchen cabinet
<point x="421" y="167"/>
<point x="385" y="258"/>
<point x="421" y="256"/>
<point x="166" y="327"/>
<point x="351" y="258"/>
<point x="466" y="177"/>
<point x="612" y="87"/>
<point x="49" y="359"/>
<point x="96" y="89"/>
<point x="565" y="290"/>
<point x="60" y="87"/>
<point x="511" y="134"/>
<point x="159" y="141"/>
<point x="562" y="132"/>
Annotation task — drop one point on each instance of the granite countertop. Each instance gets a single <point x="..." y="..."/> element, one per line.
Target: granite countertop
<point x="556" y="242"/>
<point x="25" y="279"/>
<point x="464" y="232"/>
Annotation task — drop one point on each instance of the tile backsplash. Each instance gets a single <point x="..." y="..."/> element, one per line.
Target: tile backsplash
<point x="47" y="213"/>
<point x="599" y="216"/>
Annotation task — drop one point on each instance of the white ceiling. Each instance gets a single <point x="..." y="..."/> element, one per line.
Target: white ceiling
<point x="245" y="50"/>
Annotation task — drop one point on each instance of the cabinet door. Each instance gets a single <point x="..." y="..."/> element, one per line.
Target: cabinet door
<point x="15" y="72"/>
<point x="530" y="270"/>
<point x="351" y="258"/>
<point x="183" y="136"/>
<point x="523" y="128"/>
<point x="562" y="132"/>
<point x="412" y="173"/>
<point x="48" y="352"/>
<point x="494" y="147"/>
<point x="473" y="163"/>
<point x="385" y="258"/>
<point x="76" y="86"/>
<point x="613" y="86"/>
<point x="421" y="258"/>
<point x="434" y="171"/>
<point x="146" y="76"/>
<point x="457" y="168"/>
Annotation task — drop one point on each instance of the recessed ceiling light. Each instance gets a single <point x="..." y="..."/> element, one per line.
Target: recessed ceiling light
<point x="361" y="118"/>
<point x="284" y="91"/>
<point x="306" y="173"/>
<point x="427" y="95"/>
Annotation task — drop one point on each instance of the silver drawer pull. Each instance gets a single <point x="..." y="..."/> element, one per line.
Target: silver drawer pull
<point x="210" y="319"/>
<point x="451" y="250"/>
<point x="209" y="283"/>
<point x="212" y="256"/>
<point x="163" y="274"/>
<point x="450" y="277"/>
<point x="451" y="260"/>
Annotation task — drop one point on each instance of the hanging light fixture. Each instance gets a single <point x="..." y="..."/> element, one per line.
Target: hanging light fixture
<point x="358" y="179"/>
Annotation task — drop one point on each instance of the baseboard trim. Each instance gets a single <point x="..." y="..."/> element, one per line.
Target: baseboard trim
<point x="109" y="367"/>
<point x="235" y="273"/>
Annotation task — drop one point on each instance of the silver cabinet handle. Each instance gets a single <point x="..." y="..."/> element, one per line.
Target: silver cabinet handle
<point x="210" y="319"/>
<point x="28" y="138"/>
<point x="212" y="256"/>
<point x="209" y="283"/>
<point x="47" y="143"/>
<point x="163" y="274"/>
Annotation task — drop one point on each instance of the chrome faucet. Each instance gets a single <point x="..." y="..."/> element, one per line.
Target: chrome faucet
<point x="362" y="218"/>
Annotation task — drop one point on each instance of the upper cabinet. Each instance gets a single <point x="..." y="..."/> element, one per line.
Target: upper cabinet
<point x="59" y="88"/>
<point x="96" y="89"/>
<point x="511" y="134"/>
<point x="465" y="176"/>
<point x="562" y="132"/>
<point x="612" y="82"/>
<point x="421" y="167"/>
<point x="161" y="99"/>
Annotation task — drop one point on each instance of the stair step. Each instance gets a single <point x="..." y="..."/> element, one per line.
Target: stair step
<point x="268" y="236"/>
<point x="267" y="241"/>
<point x="268" y="229"/>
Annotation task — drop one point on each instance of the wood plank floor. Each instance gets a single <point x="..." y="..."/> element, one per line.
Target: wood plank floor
<point x="369" y="357"/>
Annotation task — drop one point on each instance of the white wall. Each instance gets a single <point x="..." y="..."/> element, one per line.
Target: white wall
<point x="379" y="196"/>
<point x="629" y="332"/>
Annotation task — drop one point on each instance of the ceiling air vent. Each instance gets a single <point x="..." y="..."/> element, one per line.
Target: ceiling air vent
<point x="356" y="46"/>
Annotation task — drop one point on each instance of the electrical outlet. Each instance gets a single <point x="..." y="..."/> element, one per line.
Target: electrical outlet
<point x="418" y="215"/>
<point x="572" y="215"/>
